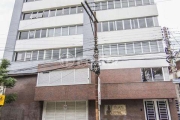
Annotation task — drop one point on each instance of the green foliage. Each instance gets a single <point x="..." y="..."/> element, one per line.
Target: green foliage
<point x="10" y="98"/>
<point x="4" y="63"/>
<point x="9" y="82"/>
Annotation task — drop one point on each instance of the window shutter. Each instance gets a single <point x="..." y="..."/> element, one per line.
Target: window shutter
<point x="70" y="112"/>
<point x="163" y="111"/>
<point x="60" y="112"/>
<point x="81" y="110"/>
<point x="50" y="111"/>
<point x="150" y="110"/>
<point x="81" y="76"/>
<point x="67" y="77"/>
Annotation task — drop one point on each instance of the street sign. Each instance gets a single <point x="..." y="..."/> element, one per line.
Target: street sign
<point x="99" y="91"/>
<point x="2" y="99"/>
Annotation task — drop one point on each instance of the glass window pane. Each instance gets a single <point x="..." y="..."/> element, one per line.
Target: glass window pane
<point x="104" y="5"/>
<point x="134" y="23"/>
<point x="52" y="13"/>
<point x="129" y="48"/>
<point x="124" y="3"/>
<point x="45" y="13"/>
<point x="72" y="30"/>
<point x="48" y="54"/>
<point x="110" y="4"/>
<point x="142" y="23"/>
<point x="149" y="22"/>
<point x="34" y="15"/>
<point x="64" y="31"/>
<point x="28" y="56"/>
<point x="41" y="55"/>
<point x="152" y="1"/>
<point x="73" y="10"/>
<point x="117" y="4"/>
<point x="119" y="25"/>
<point x="50" y="32"/>
<point x="71" y="52"/>
<point x="31" y="34"/>
<point x="34" y="55"/>
<point x="145" y="46"/>
<point x="43" y="33"/>
<point x="23" y="35"/>
<point x="79" y="29"/>
<point x="27" y="16"/>
<point x="154" y="46"/>
<point x="63" y="53"/>
<point x="127" y="24"/>
<point x="111" y="26"/>
<point x="29" y="0"/>
<point x="80" y="9"/>
<point x="100" y="50"/>
<point x="106" y="50"/>
<point x="146" y="2"/>
<point x="79" y="52"/>
<point x="157" y="74"/>
<point x="56" y="54"/>
<point x="138" y="2"/>
<point x="137" y="48"/>
<point x="146" y="74"/>
<point x="114" y="50"/>
<point x="161" y="47"/>
<point x="57" y="31"/>
<point x="20" y="56"/>
<point x="105" y="26"/>
<point x="66" y="11"/>
<point x="122" y="49"/>
<point x="97" y="6"/>
<point x="98" y="27"/>
<point x="59" y="12"/>
<point x="40" y="14"/>
<point x="131" y="3"/>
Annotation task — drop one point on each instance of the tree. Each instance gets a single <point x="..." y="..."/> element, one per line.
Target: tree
<point x="6" y="81"/>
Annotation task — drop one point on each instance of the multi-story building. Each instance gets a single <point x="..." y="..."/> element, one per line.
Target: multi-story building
<point x="44" y="34"/>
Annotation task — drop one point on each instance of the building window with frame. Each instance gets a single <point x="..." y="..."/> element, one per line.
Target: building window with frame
<point x="114" y="50"/>
<point x="27" y="16"/>
<point x="46" y="14"/>
<point x="110" y="4"/>
<point x="31" y="34"/>
<point x="79" y="9"/>
<point x="43" y="33"/>
<point x="65" y="31"/>
<point x="104" y="5"/>
<point x="41" y="55"/>
<point x="23" y="35"/>
<point x="79" y="52"/>
<point x="56" y="54"/>
<point x="20" y="56"/>
<point x="51" y="32"/>
<point x="57" y="32"/>
<point x="72" y="30"/>
<point x="106" y="50"/>
<point x="28" y="56"/>
<point x="73" y="10"/>
<point x="131" y="3"/>
<point x="37" y="34"/>
<point x="52" y="13"/>
<point x="124" y="3"/>
<point x="34" y="55"/>
<point x="117" y="4"/>
<point x="79" y="29"/>
<point x="48" y="54"/>
<point x="127" y="24"/>
<point x="105" y="26"/>
<point x="59" y="12"/>
<point x="122" y="50"/>
<point x="142" y="23"/>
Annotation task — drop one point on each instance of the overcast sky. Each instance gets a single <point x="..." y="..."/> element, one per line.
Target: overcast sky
<point x="168" y="16"/>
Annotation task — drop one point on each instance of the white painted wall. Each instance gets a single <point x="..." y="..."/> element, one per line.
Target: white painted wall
<point x="45" y="4"/>
<point x="51" y="22"/>
<point x="125" y="13"/>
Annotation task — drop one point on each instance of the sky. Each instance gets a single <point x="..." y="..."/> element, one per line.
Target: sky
<point x="168" y="16"/>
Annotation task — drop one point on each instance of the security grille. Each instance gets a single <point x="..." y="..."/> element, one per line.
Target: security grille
<point x="150" y="110"/>
<point x="163" y="111"/>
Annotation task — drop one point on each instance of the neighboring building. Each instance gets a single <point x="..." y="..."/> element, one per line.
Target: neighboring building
<point x="44" y="34"/>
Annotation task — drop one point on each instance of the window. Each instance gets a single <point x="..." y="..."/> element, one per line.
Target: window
<point x="56" y="54"/>
<point x="157" y="74"/>
<point x="150" y="22"/>
<point x="66" y="11"/>
<point x="161" y="47"/>
<point x="129" y="48"/>
<point x="146" y="2"/>
<point x="154" y="46"/>
<point x="28" y="56"/>
<point x="31" y="34"/>
<point x="40" y="14"/>
<point x="48" y="54"/>
<point x="117" y="4"/>
<point x="106" y="50"/>
<point x="73" y="10"/>
<point x="142" y="23"/>
<point x="46" y="13"/>
<point x="20" y="56"/>
<point x="131" y="3"/>
<point x="64" y="31"/>
<point x="80" y="9"/>
<point x="124" y="3"/>
<point x="79" y="52"/>
<point x="29" y="0"/>
<point x="152" y="74"/>
<point x="137" y="48"/>
<point x="50" y="32"/>
<point x="71" y="52"/>
<point x="57" y="31"/>
<point x="98" y="27"/>
<point x="119" y="25"/>
<point x="41" y="55"/>
<point x="145" y="46"/>
<point x="111" y="26"/>
<point x="52" y="13"/>
<point x="104" y="5"/>
<point x="134" y="23"/>
<point x="97" y="6"/>
<point x="110" y="4"/>
<point x="27" y="16"/>
<point x="114" y="50"/>
<point x="37" y="34"/>
<point x="59" y="12"/>
<point x="127" y="24"/>
<point x="80" y="29"/>
<point x="23" y="35"/>
<point x="34" y="55"/>
<point x="105" y="26"/>
<point x="122" y="49"/>
<point x="138" y="2"/>
<point x="100" y="50"/>
<point x="63" y="53"/>
<point x="72" y="30"/>
<point x="34" y="15"/>
<point x="43" y="33"/>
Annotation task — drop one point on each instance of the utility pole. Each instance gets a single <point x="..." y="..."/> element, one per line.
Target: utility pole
<point x="95" y="64"/>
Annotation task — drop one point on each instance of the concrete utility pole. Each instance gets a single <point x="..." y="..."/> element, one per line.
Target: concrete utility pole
<point x="95" y="64"/>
